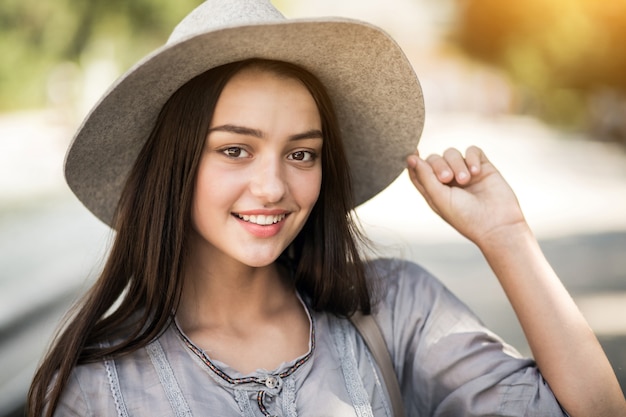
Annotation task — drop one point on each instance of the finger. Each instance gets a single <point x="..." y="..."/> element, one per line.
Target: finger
<point x="419" y="169"/>
<point x="457" y="163"/>
<point x="441" y="168"/>
<point x="412" y="162"/>
<point x="474" y="158"/>
<point x="411" y="159"/>
<point x="430" y="185"/>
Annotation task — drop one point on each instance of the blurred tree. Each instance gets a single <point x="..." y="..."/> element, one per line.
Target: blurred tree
<point x="567" y="56"/>
<point x="36" y="36"/>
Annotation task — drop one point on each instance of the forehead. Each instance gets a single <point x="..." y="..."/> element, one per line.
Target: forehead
<point x="267" y="101"/>
<point x="254" y="76"/>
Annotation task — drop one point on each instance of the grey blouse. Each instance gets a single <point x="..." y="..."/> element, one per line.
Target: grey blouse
<point x="447" y="362"/>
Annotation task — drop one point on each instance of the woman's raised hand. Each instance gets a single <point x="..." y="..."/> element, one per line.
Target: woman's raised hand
<point x="468" y="192"/>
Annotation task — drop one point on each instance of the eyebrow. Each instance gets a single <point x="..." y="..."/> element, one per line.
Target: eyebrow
<point x="241" y="130"/>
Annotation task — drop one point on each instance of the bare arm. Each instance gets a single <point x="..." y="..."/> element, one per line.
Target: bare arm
<point x="471" y="195"/>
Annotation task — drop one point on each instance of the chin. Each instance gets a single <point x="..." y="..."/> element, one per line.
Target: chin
<point x="259" y="261"/>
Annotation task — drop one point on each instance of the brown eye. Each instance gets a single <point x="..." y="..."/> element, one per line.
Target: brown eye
<point x="302" y="156"/>
<point x="235" y="152"/>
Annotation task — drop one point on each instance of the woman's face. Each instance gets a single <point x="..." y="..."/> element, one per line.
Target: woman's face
<point x="260" y="172"/>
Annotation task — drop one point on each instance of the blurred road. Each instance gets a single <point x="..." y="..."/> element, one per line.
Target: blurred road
<point x="573" y="192"/>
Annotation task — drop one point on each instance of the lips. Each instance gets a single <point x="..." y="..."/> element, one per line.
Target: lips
<point x="262" y="219"/>
<point x="262" y="225"/>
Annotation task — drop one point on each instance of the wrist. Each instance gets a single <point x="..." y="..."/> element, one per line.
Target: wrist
<point x="505" y="238"/>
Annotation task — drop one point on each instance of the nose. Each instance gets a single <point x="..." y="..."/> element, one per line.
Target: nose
<point x="268" y="180"/>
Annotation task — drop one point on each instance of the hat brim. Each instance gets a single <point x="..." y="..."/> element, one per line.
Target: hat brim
<point x="373" y="87"/>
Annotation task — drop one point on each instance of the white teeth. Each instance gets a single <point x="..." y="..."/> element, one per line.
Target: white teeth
<point x="262" y="219"/>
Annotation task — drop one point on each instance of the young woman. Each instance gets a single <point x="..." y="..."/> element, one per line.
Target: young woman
<point x="226" y="163"/>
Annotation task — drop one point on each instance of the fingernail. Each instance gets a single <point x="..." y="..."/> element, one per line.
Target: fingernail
<point x="445" y="174"/>
<point x="462" y="175"/>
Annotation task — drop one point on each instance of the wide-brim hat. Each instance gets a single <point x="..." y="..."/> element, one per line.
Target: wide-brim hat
<point x="375" y="92"/>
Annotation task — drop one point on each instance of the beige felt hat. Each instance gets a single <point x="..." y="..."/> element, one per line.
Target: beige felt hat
<point x="373" y="87"/>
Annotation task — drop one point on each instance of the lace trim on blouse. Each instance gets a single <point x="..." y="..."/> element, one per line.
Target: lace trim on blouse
<point x="354" y="383"/>
<point x="114" y="385"/>
<point x="168" y="380"/>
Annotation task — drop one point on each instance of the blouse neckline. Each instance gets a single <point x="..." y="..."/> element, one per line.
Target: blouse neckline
<point x="269" y="379"/>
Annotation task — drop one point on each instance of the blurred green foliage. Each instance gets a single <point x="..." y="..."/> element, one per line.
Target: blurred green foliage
<point x="567" y="56"/>
<point x="35" y="36"/>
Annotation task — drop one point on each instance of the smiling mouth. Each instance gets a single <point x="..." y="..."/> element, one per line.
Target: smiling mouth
<point x="262" y="219"/>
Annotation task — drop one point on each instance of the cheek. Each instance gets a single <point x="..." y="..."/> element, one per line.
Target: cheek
<point x="211" y="193"/>
<point x="205" y="184"/>
<point x="217" y="183"/>
<point x="307" y="188"/>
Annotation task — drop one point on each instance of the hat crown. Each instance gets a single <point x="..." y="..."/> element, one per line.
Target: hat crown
<point x="373" y="88"/>
<point x="216" y="14"/>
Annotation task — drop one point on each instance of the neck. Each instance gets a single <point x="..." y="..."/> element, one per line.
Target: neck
<point x="232" y="295"/>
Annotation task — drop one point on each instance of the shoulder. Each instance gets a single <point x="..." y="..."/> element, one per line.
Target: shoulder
<point x="85" y="392"/>
<point x="95" y="388"/>
<point x="397" y="280"/>
<point x="414" y="309"/>
<point x="396" y="271"/>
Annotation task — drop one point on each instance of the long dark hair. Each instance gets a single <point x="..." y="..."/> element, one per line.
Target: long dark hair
<point x="145" y="267"/>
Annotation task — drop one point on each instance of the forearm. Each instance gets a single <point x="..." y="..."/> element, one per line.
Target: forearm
<point x="566" y="350"/>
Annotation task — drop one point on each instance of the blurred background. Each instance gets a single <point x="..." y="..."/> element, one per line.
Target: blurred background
<point x="540" y="86"/>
